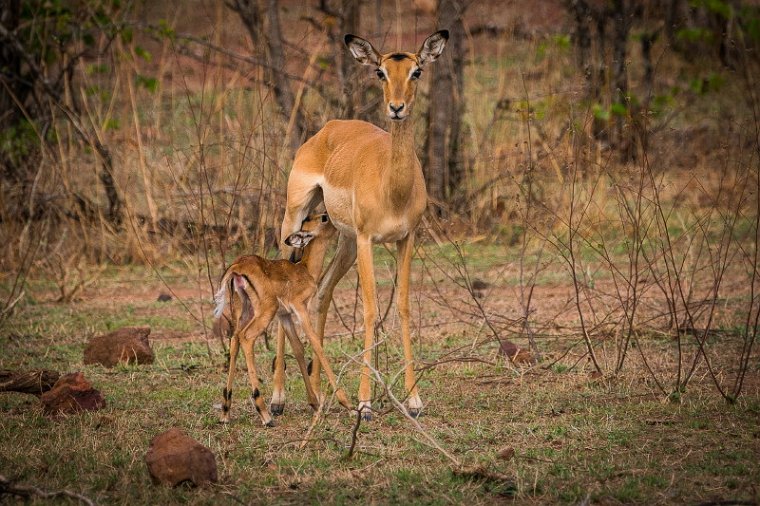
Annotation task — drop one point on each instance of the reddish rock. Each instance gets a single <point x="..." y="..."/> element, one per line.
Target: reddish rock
<point x="506" y="453"/>
<point x="174" y="458"/>
<point x="70" y="394"/>
<point x="127" y="345"/>
<point x="516" y="354"/>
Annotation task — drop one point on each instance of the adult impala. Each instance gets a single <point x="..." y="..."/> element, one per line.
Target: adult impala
<point x="372" y="185"/>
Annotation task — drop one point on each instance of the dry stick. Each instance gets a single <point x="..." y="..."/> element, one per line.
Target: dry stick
<point x="525" y="302"/>
<point x="354" y="432"/>
<point x="29" y="491"/>
<point x="750" y="341"/>
<point x="414" y="421"/>
<point x="574" y="273"/>
<point x="669" y="254"/>
<point x="314" y="421"/>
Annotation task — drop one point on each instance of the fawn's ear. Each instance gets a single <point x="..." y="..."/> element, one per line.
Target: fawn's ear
<point x="299" y="239"/>
<point x="362" y="50"/>
<point x="432" y="47"/>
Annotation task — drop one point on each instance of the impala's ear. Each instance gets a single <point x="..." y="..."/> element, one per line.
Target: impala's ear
<point x="362" y="50"/>
<point x="299" y="239"/>
<point x="432" y="47"/>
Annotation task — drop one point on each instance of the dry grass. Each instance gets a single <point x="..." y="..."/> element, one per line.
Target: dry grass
<point x="575" y="437"/>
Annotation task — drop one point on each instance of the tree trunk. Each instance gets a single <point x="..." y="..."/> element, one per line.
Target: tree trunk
<point x="445" y="167"/>
<point x="622" y="26"/>
<point x="349" y="70"/>
<point x="251" y="13"/>
<point x="282" y="92"/>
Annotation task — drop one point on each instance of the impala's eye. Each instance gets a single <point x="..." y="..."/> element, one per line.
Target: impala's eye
<point x="380" y="74"/>
<point x="416" y="74"/>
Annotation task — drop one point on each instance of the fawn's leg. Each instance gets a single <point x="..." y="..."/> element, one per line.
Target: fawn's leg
<point x="253" y="330"/>
<point x="227" y="392"/>
<point x="278" y="390"/>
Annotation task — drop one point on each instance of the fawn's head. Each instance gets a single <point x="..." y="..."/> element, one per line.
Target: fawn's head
<point x="314" y="225"/>
<point x="398" y="72"/>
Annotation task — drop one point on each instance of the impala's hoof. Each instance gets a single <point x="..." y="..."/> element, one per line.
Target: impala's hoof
<point x="270" y="424"/>
<point x="277" y="409"/>
<point x="365" y="408"/>
<point x="415" y="412"/>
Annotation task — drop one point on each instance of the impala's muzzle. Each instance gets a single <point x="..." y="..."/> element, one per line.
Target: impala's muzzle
<point x="397" y="111"/>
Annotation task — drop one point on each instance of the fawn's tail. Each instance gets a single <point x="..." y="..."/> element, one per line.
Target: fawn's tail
<point x="221" y="296"/>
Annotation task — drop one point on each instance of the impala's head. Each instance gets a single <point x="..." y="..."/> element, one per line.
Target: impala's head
<point x="398" y="72"/>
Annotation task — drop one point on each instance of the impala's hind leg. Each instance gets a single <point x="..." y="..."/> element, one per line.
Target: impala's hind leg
<point x="303" y="316"/>
<point x="345" y="255"/>
<point x="286" y="322"/>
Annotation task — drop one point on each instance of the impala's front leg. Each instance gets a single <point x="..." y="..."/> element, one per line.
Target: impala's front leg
<point x="405" y="250"/>
<point x="367" y="281"/>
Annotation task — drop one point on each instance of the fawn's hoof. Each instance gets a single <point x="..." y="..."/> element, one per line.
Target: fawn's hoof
<point x="367" y="416"/>
<point x="277" y="409"/>
<point x="414" y="412"/>
<point x="270" y="424"/>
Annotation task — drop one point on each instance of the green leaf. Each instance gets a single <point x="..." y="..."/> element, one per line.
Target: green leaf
<point x="112" y="124"/>
<point x="618" y="109"/>
<point x="600" y="112"/>
<point x="143" y="53"/>
<point x="149" y="83"/>
<point x="126" y="35"/>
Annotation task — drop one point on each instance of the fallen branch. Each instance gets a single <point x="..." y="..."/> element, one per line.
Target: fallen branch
<point x="29" y="491"/>
<point x="31" y="382"/>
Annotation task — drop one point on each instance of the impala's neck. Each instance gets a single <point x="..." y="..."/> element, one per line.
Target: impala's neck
<point x="399" y="175"/>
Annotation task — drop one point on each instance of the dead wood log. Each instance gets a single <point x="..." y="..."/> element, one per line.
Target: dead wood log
<point x="28" y="382"/>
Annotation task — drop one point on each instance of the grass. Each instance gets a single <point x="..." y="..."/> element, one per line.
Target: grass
<point x="575" y="438"/>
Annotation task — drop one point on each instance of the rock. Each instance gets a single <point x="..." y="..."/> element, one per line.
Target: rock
<point x="506" y="453"/>
<point x="70" y="394"/>
<point x="128" y="345"/>
<point x="164" y="297"/>
<point x="516" y="354"/>
<point x="174" y="458"/>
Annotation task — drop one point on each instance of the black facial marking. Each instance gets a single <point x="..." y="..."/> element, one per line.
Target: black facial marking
<point x="399" y="56"/>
